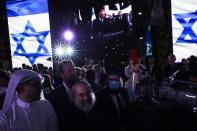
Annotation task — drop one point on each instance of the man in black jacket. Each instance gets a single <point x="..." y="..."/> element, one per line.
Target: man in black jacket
<point x="85" y="114"/>
<point x="60" y="96"/>
<point x="113" y="101"/>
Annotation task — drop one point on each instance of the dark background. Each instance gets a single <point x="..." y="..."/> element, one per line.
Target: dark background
<point x="155" y="13"/>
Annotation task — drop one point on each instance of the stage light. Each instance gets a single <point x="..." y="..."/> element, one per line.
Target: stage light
<point x="68" y="35"/>
<point x="69" y="50"/>
<point x="140" y="13"/>
<point x="141" y="38"/>
<point x="59" y="51"/>
<point x="62" y="50"/>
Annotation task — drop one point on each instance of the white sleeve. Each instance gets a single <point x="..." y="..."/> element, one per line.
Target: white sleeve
<point x="53" y="123"/>
<point x="128" y="71"/>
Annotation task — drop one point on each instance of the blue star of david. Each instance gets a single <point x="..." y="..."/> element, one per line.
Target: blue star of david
<point x="40" y="37"/>
<point x="187" y="27"/>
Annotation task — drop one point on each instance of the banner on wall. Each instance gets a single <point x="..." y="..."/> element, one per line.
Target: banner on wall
<point x="184" y="28"/>
<point x="29" y="32"/>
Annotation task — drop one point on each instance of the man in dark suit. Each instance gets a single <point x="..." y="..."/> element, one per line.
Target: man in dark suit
<point x="113" y="100"/>
<point x="121" y="22"/>
<point x="85" y="115"/>
<point x="60" y="96"/>
<point x="101" y="25"/>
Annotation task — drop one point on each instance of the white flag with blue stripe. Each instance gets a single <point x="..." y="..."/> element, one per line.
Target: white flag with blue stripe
<point x="184" y="28"/>
<point x="29" y="32"/>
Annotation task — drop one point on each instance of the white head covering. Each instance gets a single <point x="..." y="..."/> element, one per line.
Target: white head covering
<point x="17" y="78"/>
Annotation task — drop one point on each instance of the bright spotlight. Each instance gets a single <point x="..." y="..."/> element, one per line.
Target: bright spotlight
<point x="140" y="13"/>
<point x="69" y="50"/>
<point x="59" y="51"/>
<point x="141" y="38"/>
<point x="68" y="35"/>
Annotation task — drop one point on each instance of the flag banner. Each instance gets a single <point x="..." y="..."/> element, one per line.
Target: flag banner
<point x="148" y="40"/>
<point x="184" y="28"/>
<point x="29" y="32"/>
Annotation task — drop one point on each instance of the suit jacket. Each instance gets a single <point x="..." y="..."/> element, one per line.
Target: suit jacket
<point x="63" y="107"/>
<point x="92" y="120"/>
<point x="101" y="27"/>
<point x="106" y="105"/>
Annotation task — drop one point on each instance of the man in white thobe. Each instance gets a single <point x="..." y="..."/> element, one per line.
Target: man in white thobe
<point x="23" y="110"/>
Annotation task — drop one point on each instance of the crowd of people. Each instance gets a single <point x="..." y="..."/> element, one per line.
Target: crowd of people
<point x="105" y="25"/>
<point x="93" y="97"/>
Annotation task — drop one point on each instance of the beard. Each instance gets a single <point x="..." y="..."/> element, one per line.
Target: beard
<point x="85" y="106"/>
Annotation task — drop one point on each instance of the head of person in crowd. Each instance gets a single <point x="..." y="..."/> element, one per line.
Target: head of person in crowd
<point x="171" y="59"/>
<point x="25" y="85"/>
<point x="91" y="62"/>
<point x="24" y="66"/>
<point x="102" y="66"/>
<point x="192" y="63"/>
<point x="96" y="68"/>
<point x="40" y="67"/>
<point x="67" y="71"/>
<point x="183" y="60"/>
<point x="45" y="70"/>
<point x="51" y="72"/>
<point x="102" y="14"/>
<point x="35" y="68"/>
<point x="82" y="96"/>
<point x="114" y="81"/>
<point x="78" y="72"/>
<point x="83" y="73"/>
<point x="113" y="15"/>
<point x="47" y="86"/>
<point x="119" y="14"/>
<point x="97" y="71"/>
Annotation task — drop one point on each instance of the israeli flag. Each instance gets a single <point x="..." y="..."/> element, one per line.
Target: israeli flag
<point x="29" y="32"/>
<point x="184" y="28"/>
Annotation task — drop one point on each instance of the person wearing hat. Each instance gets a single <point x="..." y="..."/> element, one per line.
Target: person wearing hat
<point x="22" y="109"/>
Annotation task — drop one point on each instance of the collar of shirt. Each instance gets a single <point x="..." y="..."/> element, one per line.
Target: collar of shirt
<point x="101" y="19"/>
<point x="23" y="104"/>
<point x="66" y="87"/>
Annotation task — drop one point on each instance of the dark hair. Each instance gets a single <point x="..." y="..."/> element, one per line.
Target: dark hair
<point x="62" y="63"/>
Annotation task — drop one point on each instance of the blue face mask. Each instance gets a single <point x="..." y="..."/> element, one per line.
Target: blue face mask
<point x="114" y="85"/>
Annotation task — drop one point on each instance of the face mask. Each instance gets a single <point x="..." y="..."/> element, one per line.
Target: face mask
<point x="114" y="85"/>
